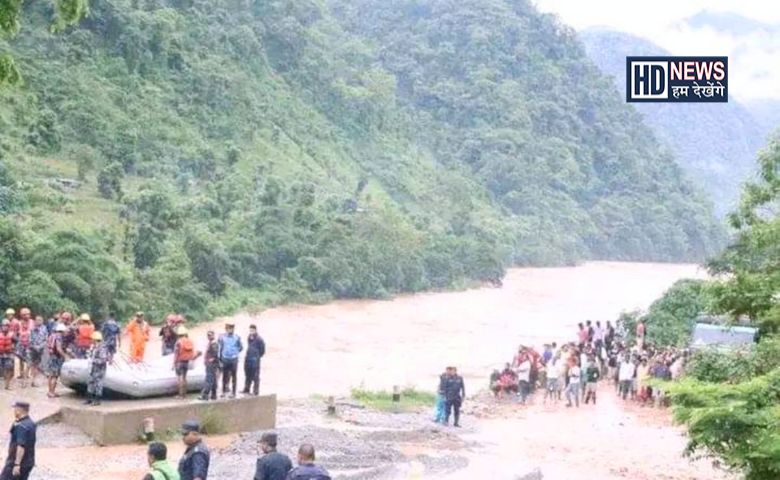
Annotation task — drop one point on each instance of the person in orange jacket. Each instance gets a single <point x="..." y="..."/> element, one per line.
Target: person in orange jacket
<point x="83" y="339"/>
<point x="138" y="329"/>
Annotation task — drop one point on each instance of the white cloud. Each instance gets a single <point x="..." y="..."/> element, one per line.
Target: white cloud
<point x="754" y="58"/>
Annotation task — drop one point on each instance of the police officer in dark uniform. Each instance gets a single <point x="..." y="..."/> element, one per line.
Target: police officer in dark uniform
<point x="454" y="393"/>
<point x="211" y="360"/>
<point x="255" y="349"/>
<point x="194" y="464"/>
<point x="272" y="465"/>
<point x="21" y="449"/>
<point x="307" y="469"/>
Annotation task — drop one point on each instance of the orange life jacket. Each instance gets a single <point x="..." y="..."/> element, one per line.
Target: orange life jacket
<point x="186" y="349"/>
<point x="6" y="343"/>
<point x="84" y="337"/>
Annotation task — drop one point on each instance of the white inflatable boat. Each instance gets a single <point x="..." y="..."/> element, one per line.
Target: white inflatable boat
<point x="138" y="380"/>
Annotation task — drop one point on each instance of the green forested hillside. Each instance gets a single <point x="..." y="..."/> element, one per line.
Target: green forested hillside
<point x="232" y="152"/>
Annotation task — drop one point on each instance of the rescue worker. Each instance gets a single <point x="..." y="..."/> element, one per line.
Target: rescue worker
<point x="229" y="349"/>
<point x="99" y="358"/>
<point x="7" y="353"/>
<point x="23" y="343"/>
<point x="21" y="450"/>
<point x="194" y="464"/>
<point x="38" y="337"/>
<point x="306" y="469"/>
<point x="255" y="349"/>
<point x="211" y="360"/>
<point x="112" y="334"/>
<point x="83" y="340"/>
<point x="183" y="353"/>
<point x="57" y="356"/>
<point x="138" y="330"/>
<point x="168" y="334"/>
<point x="160" y="467"/>
<point x="271" y="465"/>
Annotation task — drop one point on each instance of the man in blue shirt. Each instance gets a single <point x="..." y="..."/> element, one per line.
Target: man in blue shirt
<point x="112" y="334"/>
<point x="21" y="449"/>
<point x="229" y="349"/>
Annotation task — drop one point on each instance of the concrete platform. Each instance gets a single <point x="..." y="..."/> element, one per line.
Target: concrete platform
<point x="122" y="422"/>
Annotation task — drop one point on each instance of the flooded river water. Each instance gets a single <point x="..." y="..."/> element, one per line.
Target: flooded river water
<point x="328" y="349"/>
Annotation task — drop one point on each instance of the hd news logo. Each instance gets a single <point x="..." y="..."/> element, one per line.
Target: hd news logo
<point x="677" y="79"/>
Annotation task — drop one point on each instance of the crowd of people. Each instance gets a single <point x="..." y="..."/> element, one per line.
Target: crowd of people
<point x="32" y="347"/>
<point x="573" y="370"/>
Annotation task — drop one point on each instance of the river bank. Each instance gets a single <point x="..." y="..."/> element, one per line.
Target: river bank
<point x="330" y="349"/>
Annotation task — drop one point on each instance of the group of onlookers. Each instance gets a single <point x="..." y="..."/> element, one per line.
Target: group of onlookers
<point x="575" y="368"/>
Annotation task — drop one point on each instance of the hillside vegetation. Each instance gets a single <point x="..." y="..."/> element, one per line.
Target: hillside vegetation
<point x="228" y="153"/>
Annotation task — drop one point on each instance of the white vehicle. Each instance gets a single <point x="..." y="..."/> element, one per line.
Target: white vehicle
<point x="137" y="380"/>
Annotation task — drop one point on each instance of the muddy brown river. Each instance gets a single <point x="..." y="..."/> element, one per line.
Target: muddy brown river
<point x="329" y="349"/>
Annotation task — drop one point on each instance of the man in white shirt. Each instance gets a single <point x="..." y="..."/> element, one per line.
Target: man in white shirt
<point x="626" y="375"/>
<point x="573" y="390"/>
<point x="524" y="378"/>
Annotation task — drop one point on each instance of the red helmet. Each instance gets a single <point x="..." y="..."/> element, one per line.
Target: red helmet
<point x="170" y="318"/>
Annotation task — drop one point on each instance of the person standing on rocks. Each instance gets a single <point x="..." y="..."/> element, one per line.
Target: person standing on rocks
<point x="194" y="464"/>
<point x="230" y="348"/>
<point x="21" y="449"/>
<point x="306" y="469"/>
<point x="271" y="465"/>
<point x="160" y="467"/>
<point x="454" y="393"/>
<point x="211" y="360"/>
<point x="255" y="349"/>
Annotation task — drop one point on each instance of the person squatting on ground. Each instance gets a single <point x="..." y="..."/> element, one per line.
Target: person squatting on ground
<point x="271" y="465"/>
<point x="307" y="469"/>
<point x="21" y="447"/>
<point x="159" y="466"/>
<point x="7" y="353"/>
<point x="255" y="349"/>
<point x="454" y="393"/>
<point x="57" y="356"/>
<point x="211" y="361"/>
<point x="230" y="347"/>
<point x="99" y="358"/>
<point x="183" y="353"/>
<point x="194" y="464"/>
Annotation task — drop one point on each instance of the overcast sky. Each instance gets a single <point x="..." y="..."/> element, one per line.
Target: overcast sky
<point x="752" y="44"/>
